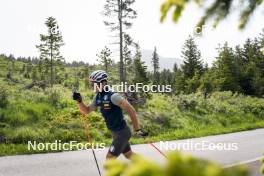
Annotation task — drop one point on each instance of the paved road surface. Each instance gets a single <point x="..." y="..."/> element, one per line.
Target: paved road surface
<point x="250" y="146"/>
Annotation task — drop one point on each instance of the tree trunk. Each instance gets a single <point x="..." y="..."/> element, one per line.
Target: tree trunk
<point x="121" y="66"/>
<point x="51" y="62"/>
<point x="106" y="67"/>
<point x="125" y="72"/>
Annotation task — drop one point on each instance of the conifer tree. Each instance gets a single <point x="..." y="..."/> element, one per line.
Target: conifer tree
<point x="192" y="59"/>
<point x="104" y="58"/>
<point x="119" y="14"/>
<point x="49" y="48"/>
<point x="127" y="56"/>
<point x="155" y="64"/>
<point x="140" y="68"/>
<point x="226" y="70"/>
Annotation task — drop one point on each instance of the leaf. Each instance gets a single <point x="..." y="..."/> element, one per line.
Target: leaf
<point x="177" y="13"/>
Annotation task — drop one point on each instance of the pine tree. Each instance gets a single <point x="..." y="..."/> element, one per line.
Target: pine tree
<point x="49" y="48"/>
<point x="193" y="83"/>
<point x="155" y="64"/>
<point x="261" y="52"/>
<point x="242" y="61"/>
<point x="140" y="69"/>
<point x="155" y="60"/>
<point x="251" y="67"/>
<point x="206" y="67"/>
<point x="34" y="74"/>
<point x="28" y="71"/>
<point x="86" y="76"/>
<point x="104" y="57"/>
<point x="11" y="68"/>
<point x="226" y="70"/>
<point x="23" y="69"/>
<point x="119" y="13"/>
<point x="261" y="39"/>
<point x="192" y="59"/>
<point x="247" y="52"/>
<point x="127" y="56"/>
<point x="163" y="77"/>
<point x="175" y="68"/>
<point x="180" y="83"/>
<point x="256" y="81"/>
<point x="206" y="84"/>
<point x="167" y="78"/>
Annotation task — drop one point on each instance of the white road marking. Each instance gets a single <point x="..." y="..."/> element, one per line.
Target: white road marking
<point x="244" y="162"/>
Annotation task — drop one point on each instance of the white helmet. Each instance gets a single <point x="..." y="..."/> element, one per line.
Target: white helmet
<point x="98" y="76"/>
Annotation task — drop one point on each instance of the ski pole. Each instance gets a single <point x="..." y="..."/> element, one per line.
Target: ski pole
<point x="86" y="133"/>
<point x="156" y="148"/>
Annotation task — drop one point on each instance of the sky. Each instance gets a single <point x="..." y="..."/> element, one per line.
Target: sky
<point x="84" y="33"/>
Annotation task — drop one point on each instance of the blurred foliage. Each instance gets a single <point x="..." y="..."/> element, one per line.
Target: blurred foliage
<point x="177" y="165"/>
<point x="262" y="167"/>
<point x="217" y="10"/>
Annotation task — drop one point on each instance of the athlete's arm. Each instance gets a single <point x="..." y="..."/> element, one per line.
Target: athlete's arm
<point x="118" y="100"/>
<point x="125" y="105"/>
<point x="85" y="109"/>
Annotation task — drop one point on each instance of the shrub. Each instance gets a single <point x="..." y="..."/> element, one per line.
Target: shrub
<point x="20" y="112"/>
<point x="32" y="96"/>
<point x="220" y="109"/>
<point x="66" y="135"/>
<point x="185" y="105"/>
<point x="36" y="111"/>
<point x="25" y="134"/>
<point x="3" y="97"/>
<point x="14" y="116"/>
<point x="69" y="83"/>
<point x="262" y="167"/>
<point x="177" y="165"/>
<point x="53" y="96"/>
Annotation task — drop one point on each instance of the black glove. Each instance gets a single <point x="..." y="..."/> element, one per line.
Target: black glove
<point x="77" y="97"/>
<point x="140" y="133"/>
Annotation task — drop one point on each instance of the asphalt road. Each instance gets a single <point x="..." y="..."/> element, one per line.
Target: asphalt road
<point x="248" y="147"/>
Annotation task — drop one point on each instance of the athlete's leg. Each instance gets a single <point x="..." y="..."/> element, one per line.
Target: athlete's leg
<point x="110" y="156"/>
<point x="120" y="143"/>
<point x="127" y="152"/>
